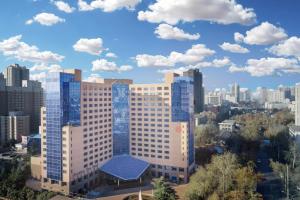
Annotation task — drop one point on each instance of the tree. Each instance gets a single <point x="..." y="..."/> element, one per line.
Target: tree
<point x="163" y="191"/>
<point x="223" y="178"/>
<point x="206" y="134"/>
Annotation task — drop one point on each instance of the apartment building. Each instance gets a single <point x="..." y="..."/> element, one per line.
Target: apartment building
<point x="89" y="126"/>
<point x="13" y="127"/>
<point x="18" y="94"/>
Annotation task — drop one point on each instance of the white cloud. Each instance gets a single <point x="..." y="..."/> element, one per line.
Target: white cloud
<point x="168" y="32"/>
<point x="124" y="68"/>
<point x="289" y="47"/>
<point x="104" y="65"/>
<point x="216" y="63"/>
<point x="91" y="46"/>
<point x="238" y="37"/>
<point x="63" y="6"/>
<point x="38" y="77"/>
<point x="219" y="11"/>
<point x="46" y="19"/>
<point x="268" y="66"/>
<point x="94" y="78"/>
<point x="107" y="5"/>
<point x="264" y="34"/>
<point x="195" y="54"/>
<point x="111" y="55"/>
<point x="234" y="48"/>
<point x="14" y="47"/>
<point x="43" y="67"/>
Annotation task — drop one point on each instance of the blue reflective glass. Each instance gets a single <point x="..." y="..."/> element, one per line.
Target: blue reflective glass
<point x="62" y="108"/>
<point x="183" y="107"/>
<point x="120" y="106"/>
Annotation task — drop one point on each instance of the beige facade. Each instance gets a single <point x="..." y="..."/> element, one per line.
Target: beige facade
<point x="85" y="147"/>
<point x="153" y="136"/>
<point x="36" y="167"/>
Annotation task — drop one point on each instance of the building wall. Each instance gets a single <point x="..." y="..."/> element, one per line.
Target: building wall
<point x="120" y="105"/>
<point x="36" y="167"/>
<point x="155" y="135"/>
<point x="14" y="127"/>
<point x="87" y="146"/>
<point x="198" y="88"/>
<point x="155" y="138"/>
<point x="297" y="107"/>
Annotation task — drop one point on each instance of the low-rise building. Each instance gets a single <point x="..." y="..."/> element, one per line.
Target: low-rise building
<point x="227" y="125"/>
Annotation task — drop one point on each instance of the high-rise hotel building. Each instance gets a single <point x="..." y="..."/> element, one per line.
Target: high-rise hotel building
<point x="88" y="127"/>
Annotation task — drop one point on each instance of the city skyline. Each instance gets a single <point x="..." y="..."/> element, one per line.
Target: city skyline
<point x="49" y="35"/>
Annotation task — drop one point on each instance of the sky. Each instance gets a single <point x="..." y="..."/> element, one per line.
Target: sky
<point x="251" y="42"/>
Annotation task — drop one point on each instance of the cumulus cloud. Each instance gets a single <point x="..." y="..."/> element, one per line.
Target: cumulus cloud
<point x="111" y="55"/>
<point x="94" y="78"/>
<point x="289" y="47"/>
<point x="264" y="34"/>
<point x="195" y="54"/>
<point x="234" y="48"/>
<point x="168" y="32"/>
<point x="41" y="77"/>
<point x="219" y="11"/>
<point x="63" y="6"/>
<point x="107" y="5"/>
<point x="14" y="47"/>
<point x="216" y="63"/>
<point x="46" y="19"/>
<point x="104" y="65"/>
<point x="91" y="46"/>
<point x="268" y="66"/>
<point x="43" y="67"/>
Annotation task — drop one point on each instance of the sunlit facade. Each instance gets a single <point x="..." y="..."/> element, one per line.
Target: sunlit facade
<point x="85" y="125"/>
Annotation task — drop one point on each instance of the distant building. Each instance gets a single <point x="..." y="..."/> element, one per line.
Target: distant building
<point x="15" y="74"/>
<point x="213" y="98"/>
<point x="19" y="94"/>
<point x="235" y="92"/>
<point x="227" y="125"/>
<point x="13" y="127"/>
<point x="245" y="95"/>
<point x="276" y="105"/>
<point x="198" y="88"/>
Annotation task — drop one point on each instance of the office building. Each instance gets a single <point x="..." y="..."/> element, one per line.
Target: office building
<point x="19" y="94"/>
<point x="196" y="75"/>
<point x="235" y="93"/>
<point x="117" y="128"/>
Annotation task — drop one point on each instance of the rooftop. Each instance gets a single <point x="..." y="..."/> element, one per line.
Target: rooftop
<point x="125" y="167"/>
<point x="228" y="121"/>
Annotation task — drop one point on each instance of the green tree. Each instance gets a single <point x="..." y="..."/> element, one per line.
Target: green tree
<point x="163" y="191"/>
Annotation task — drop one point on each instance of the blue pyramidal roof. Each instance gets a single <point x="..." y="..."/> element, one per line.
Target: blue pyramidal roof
<point x="125" y="167"/>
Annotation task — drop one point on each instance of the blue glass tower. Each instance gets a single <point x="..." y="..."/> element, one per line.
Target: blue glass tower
<point x="120" y="106"/>
<point x="183" y="107"/>
<point x="62" y="108"/>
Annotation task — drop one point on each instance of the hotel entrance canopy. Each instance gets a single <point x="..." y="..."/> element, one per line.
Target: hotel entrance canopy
<point x="125" y="167"/>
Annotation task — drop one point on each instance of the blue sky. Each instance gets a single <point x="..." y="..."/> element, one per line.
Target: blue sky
<point x="80" y="37"/>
